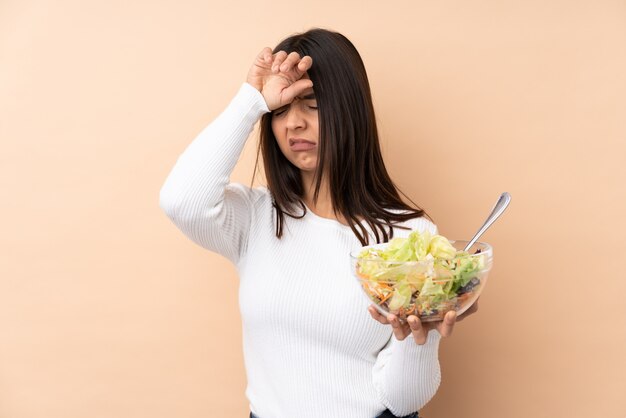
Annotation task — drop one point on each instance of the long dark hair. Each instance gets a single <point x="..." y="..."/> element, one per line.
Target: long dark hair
<point x="349" y="150"/>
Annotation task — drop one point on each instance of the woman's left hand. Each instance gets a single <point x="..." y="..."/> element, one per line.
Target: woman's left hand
<point x="420" y="329"/>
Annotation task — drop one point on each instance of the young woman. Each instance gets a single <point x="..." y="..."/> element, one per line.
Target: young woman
<point x="310" y="348"/>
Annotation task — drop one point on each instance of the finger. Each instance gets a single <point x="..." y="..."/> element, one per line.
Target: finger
<point x="447" y="324"/>
<point x="265" y="55"/>
<point x="398" y="330"/>
<point x="290" y="93"/>
<point x="305" y="63"/>
<point x="291" y="60"/>
<point x="279" y="57"/>
<point x="417" y="329"/>
<point x="377" y="315"/>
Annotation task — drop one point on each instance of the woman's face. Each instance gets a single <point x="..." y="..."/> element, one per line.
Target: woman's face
<point x="296" y="129"/>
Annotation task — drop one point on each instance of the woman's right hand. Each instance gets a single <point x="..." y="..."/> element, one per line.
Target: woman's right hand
<point x="280" y="77"/>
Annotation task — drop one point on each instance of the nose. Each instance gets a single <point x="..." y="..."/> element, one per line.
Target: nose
<point x="295" y="118"/>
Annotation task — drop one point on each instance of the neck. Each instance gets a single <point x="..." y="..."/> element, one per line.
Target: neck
<point x="324" y="205"/>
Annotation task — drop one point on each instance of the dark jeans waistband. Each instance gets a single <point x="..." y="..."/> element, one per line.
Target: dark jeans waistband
<point x="385" y="414"/>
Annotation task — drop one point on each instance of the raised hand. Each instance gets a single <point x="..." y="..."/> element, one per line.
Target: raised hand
<point x="280" y="77"/>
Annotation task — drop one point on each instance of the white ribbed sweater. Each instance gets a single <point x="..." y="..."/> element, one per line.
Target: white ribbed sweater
<point x="310" y="347"/>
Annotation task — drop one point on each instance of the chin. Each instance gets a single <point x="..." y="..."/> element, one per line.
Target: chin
<point x="305" y="166"/>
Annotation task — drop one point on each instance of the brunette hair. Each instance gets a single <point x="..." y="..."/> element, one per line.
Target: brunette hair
<point x="349" y="155"/>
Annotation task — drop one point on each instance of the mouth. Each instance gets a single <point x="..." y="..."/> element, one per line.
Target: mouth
<point x="301" y="145"/>
<point x="294" y="141"/>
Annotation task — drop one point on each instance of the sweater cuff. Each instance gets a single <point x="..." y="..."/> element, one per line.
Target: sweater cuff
<point x="251" y="101"/>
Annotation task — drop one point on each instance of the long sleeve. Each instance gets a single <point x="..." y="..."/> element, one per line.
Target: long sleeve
<point x="197" y="195"/>
<point x="406" y="375"/>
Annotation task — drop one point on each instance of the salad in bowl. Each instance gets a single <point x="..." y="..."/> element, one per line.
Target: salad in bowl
<point x="422" y="274"/>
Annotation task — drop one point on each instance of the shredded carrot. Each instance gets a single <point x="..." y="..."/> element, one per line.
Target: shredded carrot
<point x="386" y="297"/>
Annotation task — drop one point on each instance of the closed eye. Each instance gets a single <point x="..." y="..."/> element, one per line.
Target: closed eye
<point x="279" y="111"/>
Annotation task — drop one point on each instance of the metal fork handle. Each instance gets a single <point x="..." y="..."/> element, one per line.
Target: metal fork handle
<point x="497" y="210"/>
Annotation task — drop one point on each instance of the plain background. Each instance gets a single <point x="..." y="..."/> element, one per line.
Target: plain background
<point x="106" y="310"/>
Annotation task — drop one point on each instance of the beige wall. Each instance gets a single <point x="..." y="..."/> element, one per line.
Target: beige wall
<point x="106" y="310"/>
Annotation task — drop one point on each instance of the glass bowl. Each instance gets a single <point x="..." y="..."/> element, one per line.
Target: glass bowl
<point x="427" y="288"/>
